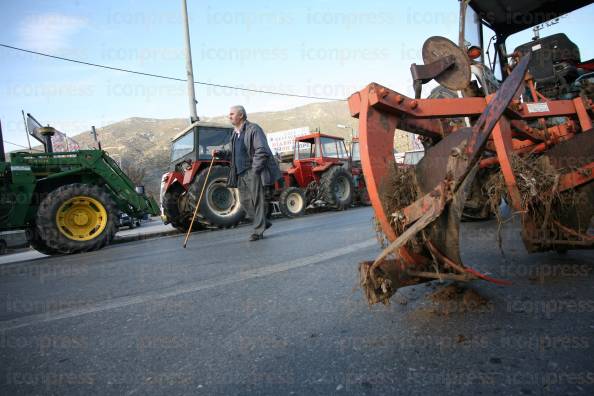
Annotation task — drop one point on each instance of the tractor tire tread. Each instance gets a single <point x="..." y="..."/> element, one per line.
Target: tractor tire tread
<point x="208" y="217"/>
<point x="171" y="209"/>
<point x="327" y="182"/>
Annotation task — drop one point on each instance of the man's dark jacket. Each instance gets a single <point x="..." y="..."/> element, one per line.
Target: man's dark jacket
<point x="262" y="160"/>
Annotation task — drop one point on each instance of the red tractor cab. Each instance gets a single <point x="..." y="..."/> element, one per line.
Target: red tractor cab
<point x="191" y="153"/>
<point x="320" y="175"/>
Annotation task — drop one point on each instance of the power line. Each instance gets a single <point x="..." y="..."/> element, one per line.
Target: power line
<point x="19" y="145"/>
<point x="166" y="77"/>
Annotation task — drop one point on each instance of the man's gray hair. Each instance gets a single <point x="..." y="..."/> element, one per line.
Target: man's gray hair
<point x="241" y="109"/>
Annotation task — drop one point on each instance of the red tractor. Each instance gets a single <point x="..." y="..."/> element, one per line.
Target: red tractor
<point x="180" y="187"/>
<point x="361" y="194"/>
<point x="321" y="175"/>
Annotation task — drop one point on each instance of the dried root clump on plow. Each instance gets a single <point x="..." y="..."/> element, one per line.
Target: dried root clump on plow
<point x="538" y="187"/>
<point x="542" y="204"/>
<point x="399" y="190"/>
<point x="537" y="183"/>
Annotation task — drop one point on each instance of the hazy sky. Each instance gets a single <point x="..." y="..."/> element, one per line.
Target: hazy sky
<point x="328" y="48"/>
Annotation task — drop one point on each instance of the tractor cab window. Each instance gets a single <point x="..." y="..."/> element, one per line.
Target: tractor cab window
<point x="491" y="56"/>
<point x="182" y="146"/>
<point x="355" y="155"/>
<point x="472" y="29"/>
<point x="342" y="152"/>
<point x="210" y="139"/>
<point x="329" y="147"/>
<point x="305" y="149"/>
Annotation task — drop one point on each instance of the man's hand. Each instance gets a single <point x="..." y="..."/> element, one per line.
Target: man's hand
<point x="221" y="154"/>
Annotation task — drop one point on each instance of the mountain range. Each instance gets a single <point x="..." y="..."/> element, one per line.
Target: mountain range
<point x="144" y="143"/>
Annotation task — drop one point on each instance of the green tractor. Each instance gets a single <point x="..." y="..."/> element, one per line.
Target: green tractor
<point x="67" y="202"/>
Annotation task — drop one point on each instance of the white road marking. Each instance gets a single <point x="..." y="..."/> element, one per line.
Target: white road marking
<point x="184" y="289"/>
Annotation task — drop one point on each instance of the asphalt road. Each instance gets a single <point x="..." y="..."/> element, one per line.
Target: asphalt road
<point x="284" y="316"/>
<point x="148" y="229"/>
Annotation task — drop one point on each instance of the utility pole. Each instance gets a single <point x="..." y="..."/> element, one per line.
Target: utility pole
<point x="189" y="70"/>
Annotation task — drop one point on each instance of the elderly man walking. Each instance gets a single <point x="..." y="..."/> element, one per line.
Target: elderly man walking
<point x="253" y="169"/>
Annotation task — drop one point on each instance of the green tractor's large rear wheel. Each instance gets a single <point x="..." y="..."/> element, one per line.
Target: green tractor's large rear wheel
<point x="37" y="243"/>
<point x="74" y="218"/>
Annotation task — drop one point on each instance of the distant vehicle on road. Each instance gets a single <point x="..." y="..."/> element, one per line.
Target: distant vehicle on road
<point x="319" y="176"/>
<point x="125" y="220"/>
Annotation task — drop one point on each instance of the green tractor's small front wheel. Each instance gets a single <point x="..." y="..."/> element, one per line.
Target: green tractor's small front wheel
<point x="76" y="218"/>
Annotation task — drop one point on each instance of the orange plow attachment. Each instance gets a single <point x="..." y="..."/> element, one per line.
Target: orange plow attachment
<point x="419" y="208"/>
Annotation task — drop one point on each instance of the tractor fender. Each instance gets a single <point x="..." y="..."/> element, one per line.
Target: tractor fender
<point x="189" y="174"/>
<point x="197" y="167"/>
<point x="171" y="178"/>
<point x="324" y="167"/>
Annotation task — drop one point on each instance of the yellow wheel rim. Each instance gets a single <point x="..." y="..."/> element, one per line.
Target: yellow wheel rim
<point x="81" y="218"/>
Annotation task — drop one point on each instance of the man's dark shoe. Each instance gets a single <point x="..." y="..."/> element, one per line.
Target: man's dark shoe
<point x="268" y="225"/>
<point x="255" y="237"/>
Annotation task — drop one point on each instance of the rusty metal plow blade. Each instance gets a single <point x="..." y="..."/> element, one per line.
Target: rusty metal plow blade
<point x="428" y="246"/>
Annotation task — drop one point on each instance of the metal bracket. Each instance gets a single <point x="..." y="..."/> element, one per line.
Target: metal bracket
<point x="422" y="74"/>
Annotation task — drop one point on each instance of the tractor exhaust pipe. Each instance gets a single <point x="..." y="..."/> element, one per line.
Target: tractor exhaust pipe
<point x="47" y="132"/>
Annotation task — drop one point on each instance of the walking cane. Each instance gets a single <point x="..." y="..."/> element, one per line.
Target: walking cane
<point x="199" y="200"/>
